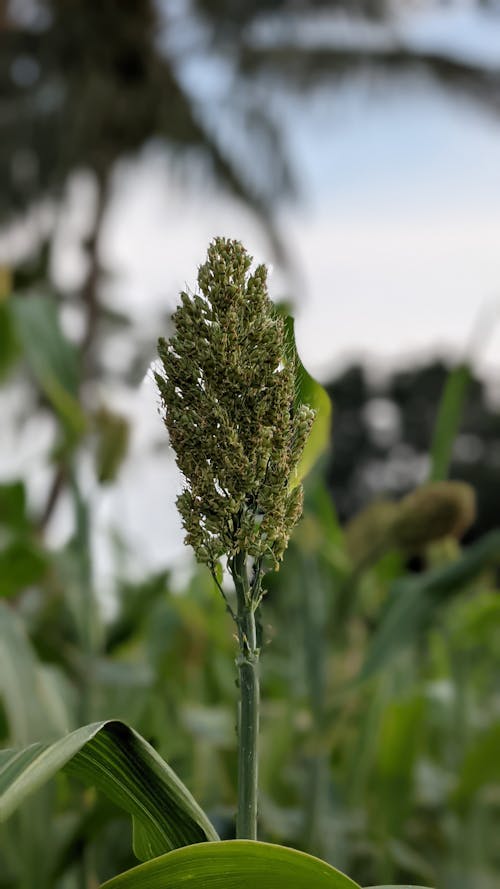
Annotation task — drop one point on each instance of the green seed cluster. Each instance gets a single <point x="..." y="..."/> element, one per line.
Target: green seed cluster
<point x="227" y="388"/>
<point x="430" y="513"/>
<point x="433" y="512"/>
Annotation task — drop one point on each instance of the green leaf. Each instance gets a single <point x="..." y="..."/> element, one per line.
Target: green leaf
<point x="115" y="759"/>
<point x="113" y="433"/>
<point x="399" y="737"/>
<point x="233" y="864"/>
<point x="481" y="766"/>
<point x="448" y="421"/>
<point x="9" y="347"/>
<point x="321" y="508"/>
<point x="136" y="603"/>
<point x="52" y="358"/>
<point x="73" y="565"/>
<point x="36" y="704"/>
<point x="22" y="564"/>
<point x="21" y="686"/>
<point x="413" y="600"/>
<point x="13" y="506"/>
<point x="310" y="392"/>
<point x="392" y="886"/>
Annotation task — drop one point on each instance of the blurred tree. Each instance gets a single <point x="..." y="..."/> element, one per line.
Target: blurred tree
<point x="277" y="51"/>
<point x="83" y="85"/>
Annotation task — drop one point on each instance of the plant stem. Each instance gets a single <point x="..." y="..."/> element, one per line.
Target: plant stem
<point x="248" y="722"/>
<point x="89" y="298"/>
<point x="248" y="734"/>
<point x="314" y="618"/>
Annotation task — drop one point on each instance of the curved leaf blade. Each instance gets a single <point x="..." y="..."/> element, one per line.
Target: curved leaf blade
<point x="233" y="864"/>
<point x="404" y="886"/>
<point x="310" y="392"/>
<point x="52" y="358"/>
<point x="448" y="421"/>
<point x="115" y="759"/>
<point x="24" y="693"/>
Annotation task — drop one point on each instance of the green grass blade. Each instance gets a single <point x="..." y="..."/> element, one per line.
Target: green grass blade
<point x="448" y="421"/>
<point x="233" y="864"/>
<point x="115" y="759"/>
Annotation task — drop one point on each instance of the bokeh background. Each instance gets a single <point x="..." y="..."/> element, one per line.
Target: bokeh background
<point x="354" y="147"/>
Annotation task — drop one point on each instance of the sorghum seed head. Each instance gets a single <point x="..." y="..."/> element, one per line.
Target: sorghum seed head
<point x="227" y="389"/>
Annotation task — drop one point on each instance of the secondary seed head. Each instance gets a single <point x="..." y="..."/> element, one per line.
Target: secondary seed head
<point x="432" y="512"/>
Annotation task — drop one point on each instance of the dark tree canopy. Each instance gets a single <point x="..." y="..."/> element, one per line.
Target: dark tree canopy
<point x="382" y="434"/>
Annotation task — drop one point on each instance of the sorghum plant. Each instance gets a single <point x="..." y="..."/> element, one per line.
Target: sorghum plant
<point x="228" y="395"/>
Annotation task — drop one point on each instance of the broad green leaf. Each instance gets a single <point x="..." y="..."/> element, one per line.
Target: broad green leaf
<point x="448" y="422"/>
<point x="51" y="357"/>
<point x="413" y="600"/>
<point x="310" y="392"/>
<point x="233" y="864"/>
<point x="115" y="759"/>
<point x="399" y="886"/>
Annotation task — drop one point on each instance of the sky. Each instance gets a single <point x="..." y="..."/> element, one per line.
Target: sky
<point x="401" y="247"/>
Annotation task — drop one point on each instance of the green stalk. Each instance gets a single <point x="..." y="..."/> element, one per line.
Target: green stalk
<point x="248" y="722"/>
<point x="314" y="618"/>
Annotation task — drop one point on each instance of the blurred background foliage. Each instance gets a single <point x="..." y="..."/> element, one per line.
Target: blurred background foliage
<point x="381" y="668"/>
